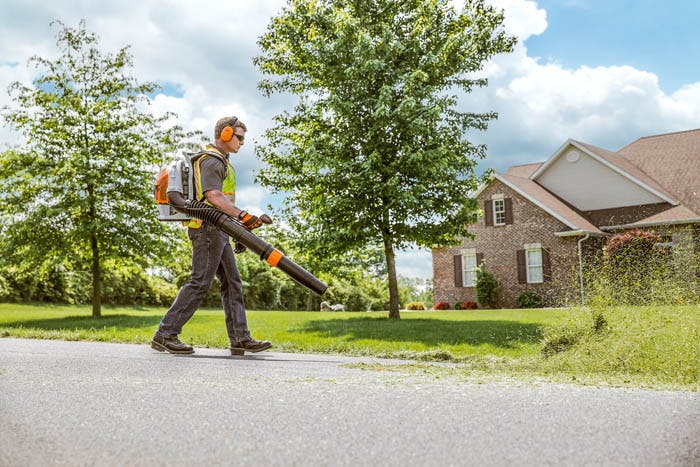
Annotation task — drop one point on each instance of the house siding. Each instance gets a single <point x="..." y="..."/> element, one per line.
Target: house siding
<point x="500" y="244"/>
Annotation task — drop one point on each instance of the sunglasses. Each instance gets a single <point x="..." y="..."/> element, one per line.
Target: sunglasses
<point x="240" y="137"/>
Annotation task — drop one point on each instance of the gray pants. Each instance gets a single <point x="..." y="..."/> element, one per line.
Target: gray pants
<point x="211" y="255"/>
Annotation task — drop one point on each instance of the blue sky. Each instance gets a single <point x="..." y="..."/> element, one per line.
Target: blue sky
<point x="602" y="72"/>
<point x="654" y="35"/>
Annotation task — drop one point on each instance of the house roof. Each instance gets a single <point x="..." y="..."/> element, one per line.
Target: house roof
<point x="673" y="215"/>
<point x="536" y="194"/>
<point x="665" y="165"/>
<point x="524" y="171"/>
<point x="673" y="160"/>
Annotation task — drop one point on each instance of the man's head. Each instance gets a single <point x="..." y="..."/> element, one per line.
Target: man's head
<point x="229" y="133"/>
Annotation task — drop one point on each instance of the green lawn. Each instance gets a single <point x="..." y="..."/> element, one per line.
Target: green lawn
<point x="650" y="347"/>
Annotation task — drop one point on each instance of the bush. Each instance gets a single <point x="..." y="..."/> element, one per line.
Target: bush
<point x="530" y="299"/>
<point x="466" y="305"/>
<point x="441" y="306"/>
<point x="415" y="306"/>
<point x="634" y="245"/>
<point x="488" y="289"/>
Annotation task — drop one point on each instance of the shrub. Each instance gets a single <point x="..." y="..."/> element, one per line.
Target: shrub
<point x="466" y="305"/>
<point x="488" y="289"/>
<point x="415" y="306"/>
<point x="633" y="245"/>
<point x="530" y="299"/>
<point x="441" y="306"/>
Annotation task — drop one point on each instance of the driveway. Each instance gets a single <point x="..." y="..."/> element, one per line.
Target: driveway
<point x="87" y="403"/>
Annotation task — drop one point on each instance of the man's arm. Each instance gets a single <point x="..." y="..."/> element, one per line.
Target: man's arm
<point x="217" y="199"/>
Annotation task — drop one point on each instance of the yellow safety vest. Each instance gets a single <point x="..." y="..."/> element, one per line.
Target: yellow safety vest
<point x="228" y="187"/>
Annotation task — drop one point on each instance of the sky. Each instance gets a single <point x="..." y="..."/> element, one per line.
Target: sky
<point x="602" y="72"/>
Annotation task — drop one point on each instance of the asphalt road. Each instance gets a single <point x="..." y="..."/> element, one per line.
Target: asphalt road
<point x="86" y="403"/>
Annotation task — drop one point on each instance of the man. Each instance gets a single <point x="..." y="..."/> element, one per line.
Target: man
<point x="215" y="182"/>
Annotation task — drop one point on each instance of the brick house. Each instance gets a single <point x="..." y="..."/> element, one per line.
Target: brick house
<point x="538" y="220"/>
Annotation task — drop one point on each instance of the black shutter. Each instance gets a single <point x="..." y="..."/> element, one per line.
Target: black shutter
<point x="546" y="266"/>
<point x="509" y="210"/>
<point x="488" y="213"/>
<point x="479" y="259"/>
<point x="458" y="270"/>
<point x="522" y="271"/>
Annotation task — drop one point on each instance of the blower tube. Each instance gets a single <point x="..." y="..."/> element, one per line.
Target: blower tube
<point x="239" y="233"/>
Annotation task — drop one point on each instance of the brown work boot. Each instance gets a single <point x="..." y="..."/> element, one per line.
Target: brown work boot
<point x="170" y="344"/>
<point x="252" y="345"/>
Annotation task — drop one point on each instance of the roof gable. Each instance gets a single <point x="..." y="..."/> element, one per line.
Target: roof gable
<point x="591" y="178"/>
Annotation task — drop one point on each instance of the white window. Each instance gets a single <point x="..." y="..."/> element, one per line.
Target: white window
<point x="533" y="263"/>
<point x="499" y="212"/>
<point x="469" y="267"/>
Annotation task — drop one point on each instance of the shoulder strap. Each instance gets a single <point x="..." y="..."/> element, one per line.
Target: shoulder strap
<point x="194" y="156"/>
<point x="197" y="156"/>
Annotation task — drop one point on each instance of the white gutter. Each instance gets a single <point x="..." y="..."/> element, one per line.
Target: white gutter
<point x="578" y="233"/>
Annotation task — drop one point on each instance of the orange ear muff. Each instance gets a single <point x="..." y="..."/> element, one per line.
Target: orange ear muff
<point x="226" y="134"/>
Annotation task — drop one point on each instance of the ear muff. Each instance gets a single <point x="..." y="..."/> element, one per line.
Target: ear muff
<point x="226" y="134"/>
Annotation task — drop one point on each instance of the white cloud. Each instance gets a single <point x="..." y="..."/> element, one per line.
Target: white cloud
<point x="523" y="18"/>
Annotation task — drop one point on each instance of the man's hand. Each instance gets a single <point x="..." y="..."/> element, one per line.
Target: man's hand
<point x="251" y="222"/>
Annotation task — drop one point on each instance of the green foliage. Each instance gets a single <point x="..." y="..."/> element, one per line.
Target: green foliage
<point x="415" y="306"/>
<point x="529" y="299"/>
<point x="78" y="193"/>
<point x="58" y="284"/>
<point x="122" y="286"/>
<point x="488" y="289"/>
<point x="373" y="156"/>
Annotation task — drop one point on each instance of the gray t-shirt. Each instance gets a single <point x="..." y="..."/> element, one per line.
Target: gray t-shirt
<point x="213" y="172"/>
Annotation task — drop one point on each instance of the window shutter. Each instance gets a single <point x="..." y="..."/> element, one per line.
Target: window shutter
<point x="522" y="272"/>
<point x="458" y="270"/>
<point x="488" y="212"/>
<point x="546" y="266"/>
<point x="479" y="259"/>
<point x="509" y="210"/>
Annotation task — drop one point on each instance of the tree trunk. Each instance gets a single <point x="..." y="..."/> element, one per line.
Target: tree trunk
<point x="96" y="278"/>
<point x="393" y="283"/>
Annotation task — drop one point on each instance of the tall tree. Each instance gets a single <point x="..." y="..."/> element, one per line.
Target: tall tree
<point x="79" y="190"/>
<point x="375" y="153"/>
